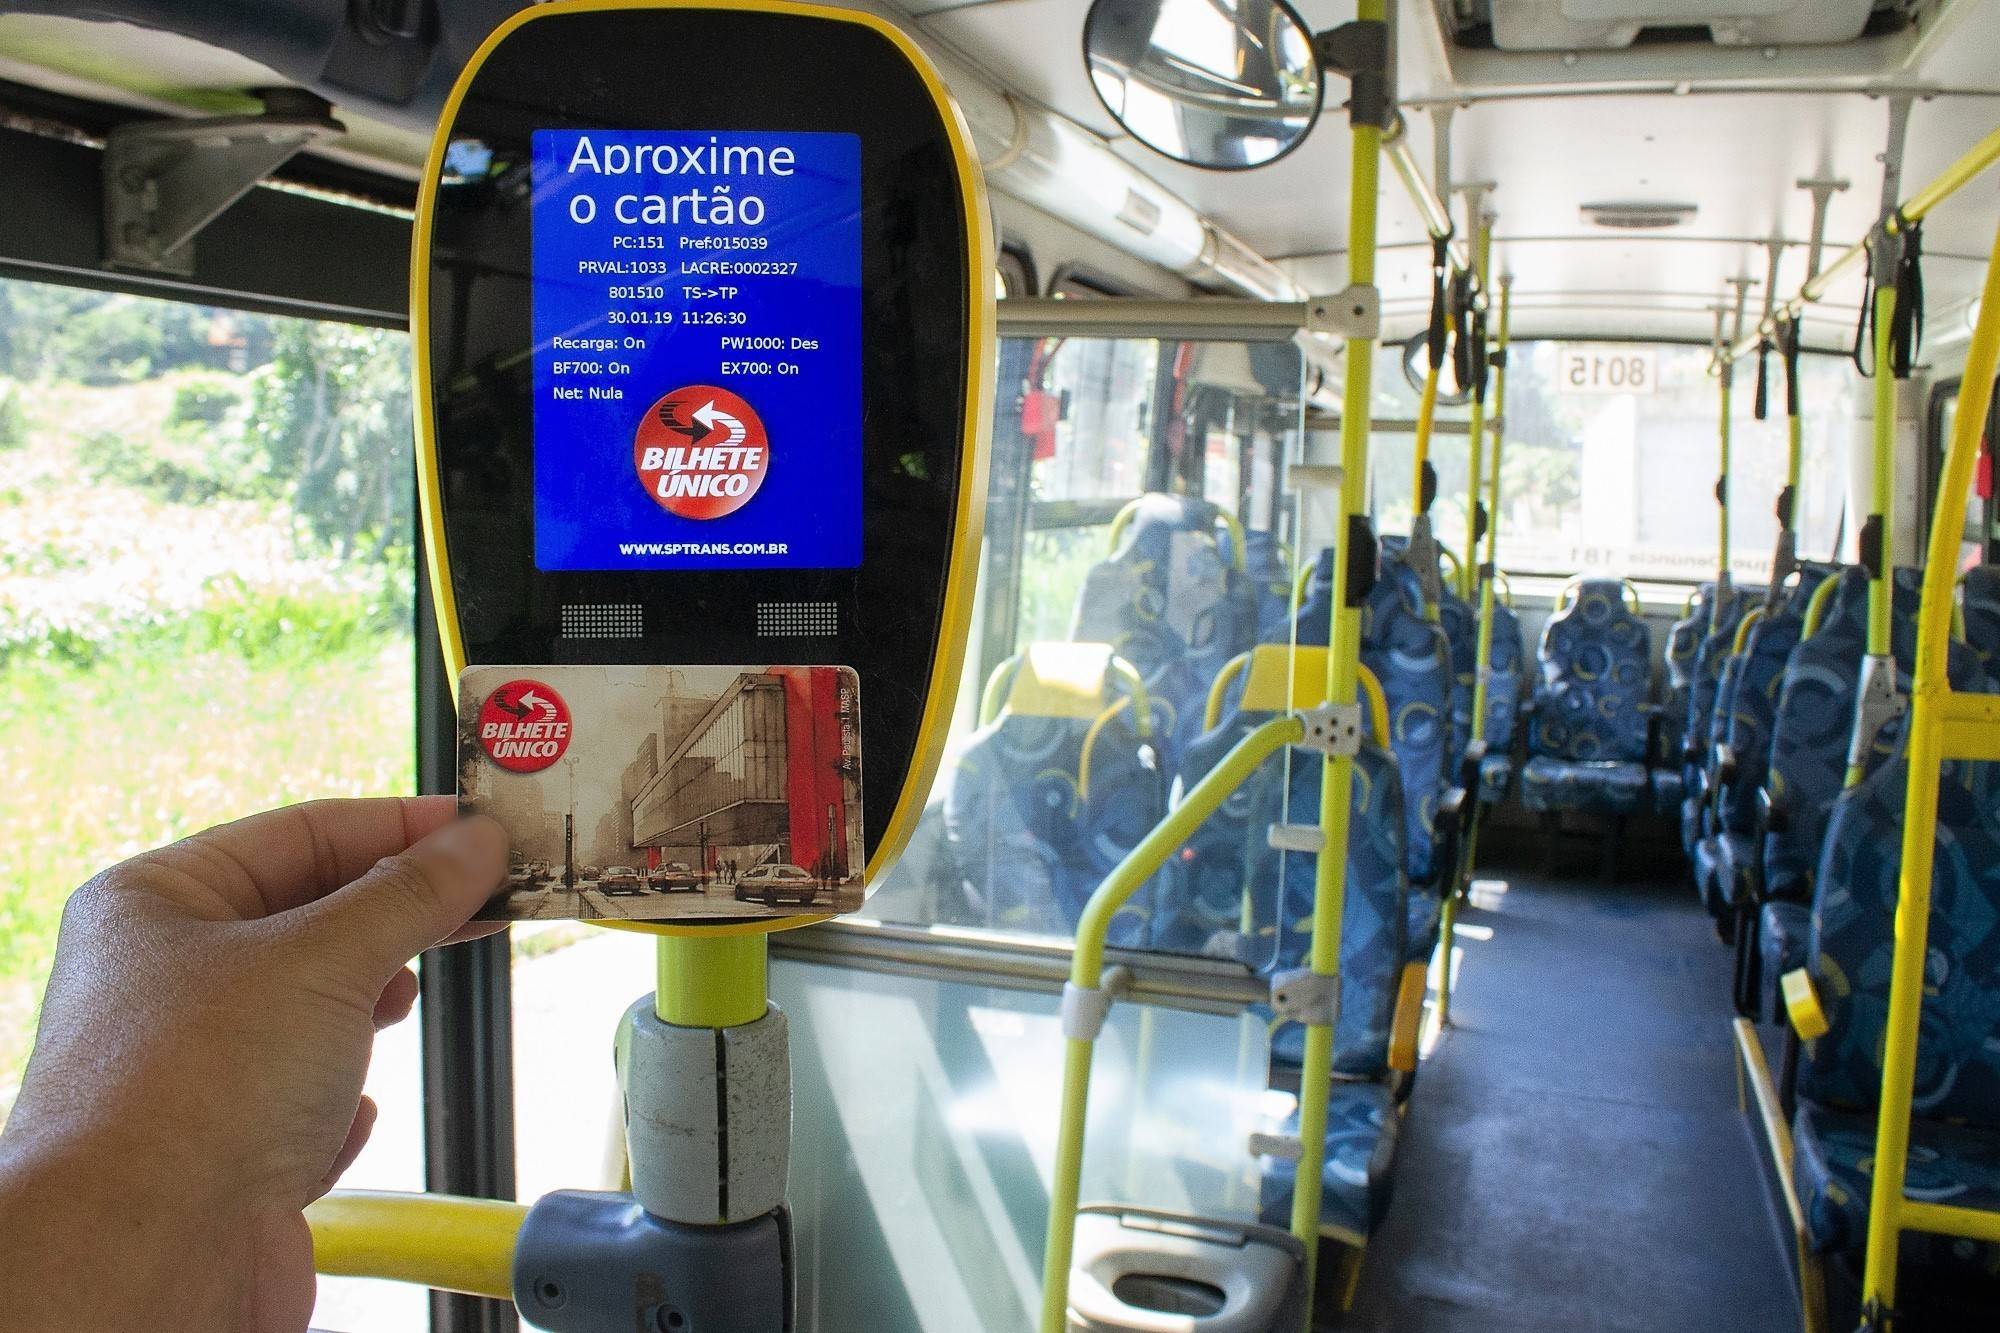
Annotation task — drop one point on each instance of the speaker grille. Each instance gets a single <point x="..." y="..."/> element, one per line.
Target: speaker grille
<point x="798" y="620"/>
<point x="608" y="620"/>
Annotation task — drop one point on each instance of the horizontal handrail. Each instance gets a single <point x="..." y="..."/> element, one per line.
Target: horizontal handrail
<point x="980" y="957"/>
<point x="441" y="1241"/>
<point x="1947" y="183"/>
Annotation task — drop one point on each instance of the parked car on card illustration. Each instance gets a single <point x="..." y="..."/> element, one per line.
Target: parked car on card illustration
<point x="775" y="883"/>
<point x="621" y="879"/>
<point x="674" y="877"/>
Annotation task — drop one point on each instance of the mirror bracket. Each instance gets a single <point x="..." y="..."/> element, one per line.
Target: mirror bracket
<point x="1353" y="312"/>
<point x="1359" y="50"/>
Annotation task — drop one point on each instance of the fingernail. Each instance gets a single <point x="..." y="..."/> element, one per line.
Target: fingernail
<point x="477" y="844"/>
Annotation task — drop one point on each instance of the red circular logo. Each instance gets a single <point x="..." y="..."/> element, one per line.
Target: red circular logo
<point x="524" y="726"/>
<point x="701" y="452"/>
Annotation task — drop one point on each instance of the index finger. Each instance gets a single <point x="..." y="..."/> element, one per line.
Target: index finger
<point x="281" y="859"/>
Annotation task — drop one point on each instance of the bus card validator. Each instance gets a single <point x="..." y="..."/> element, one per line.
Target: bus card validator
<point x="661" y="793"/>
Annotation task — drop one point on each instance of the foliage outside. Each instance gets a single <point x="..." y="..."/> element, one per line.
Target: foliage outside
<point x="205" y="587"/>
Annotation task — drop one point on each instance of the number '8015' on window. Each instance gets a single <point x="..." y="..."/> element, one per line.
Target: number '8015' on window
<point x="1597" y="368"/>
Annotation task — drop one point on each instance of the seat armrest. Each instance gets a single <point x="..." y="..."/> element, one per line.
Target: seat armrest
<point x="1725" y="764"/>
<point x="1451" y="811"/>
<point x="1407" y="1023"/>
<point x="1771" y="816"/>
<point x="1468" y="767"/>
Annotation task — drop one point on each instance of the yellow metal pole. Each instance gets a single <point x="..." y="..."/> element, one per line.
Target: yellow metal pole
<point x="1475" y="434"/>
<point x="1488" y="565"/>
<point x="710" y="981"/>
<point x="1888" y="1211"/>
<point x="1882" y="493"/>
<point x="1722" y="502"/>
<point x="1087" y="973"/>
<point x="1343" y="669"/>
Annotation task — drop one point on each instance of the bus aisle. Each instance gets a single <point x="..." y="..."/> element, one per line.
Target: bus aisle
<point x="1589" y="1044"/>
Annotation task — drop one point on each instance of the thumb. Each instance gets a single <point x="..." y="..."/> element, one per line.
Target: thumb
<point x="408" y="902"/>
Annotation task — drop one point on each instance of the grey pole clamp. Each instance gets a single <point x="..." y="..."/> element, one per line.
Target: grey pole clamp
<point x="1876" y="704"/>
<point x="1332" y="729"/>
<point x="708" y="1117"/>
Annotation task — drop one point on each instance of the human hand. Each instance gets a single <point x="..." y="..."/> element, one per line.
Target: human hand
<point x="196" y="1080"/>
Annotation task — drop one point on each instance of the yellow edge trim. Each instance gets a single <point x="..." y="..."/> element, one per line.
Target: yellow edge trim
<point x="433" y="1240"/>
<point x="971" y="517"/>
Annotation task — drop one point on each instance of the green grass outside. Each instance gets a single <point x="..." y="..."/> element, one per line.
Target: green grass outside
<point x="154" y="741"/>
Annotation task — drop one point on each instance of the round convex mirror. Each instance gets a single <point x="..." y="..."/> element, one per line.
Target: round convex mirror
<point x="1222" y="84"/>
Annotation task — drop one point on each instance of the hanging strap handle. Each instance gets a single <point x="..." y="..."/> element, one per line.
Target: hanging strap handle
<point x="1440" y="266"/>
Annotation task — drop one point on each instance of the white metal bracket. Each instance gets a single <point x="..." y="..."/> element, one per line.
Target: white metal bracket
<point x="1354" y="312"/>
<point x="1309" y="838"/>
<point x="1305" y="996"/>
<point x="1085" y="1008"/>
<point x="1332" y="729"/>
<point x="1278" y="1147"/>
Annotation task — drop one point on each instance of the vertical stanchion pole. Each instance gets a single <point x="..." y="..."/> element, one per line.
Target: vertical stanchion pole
<point x="1369" y="110"/>
<point x="1929" y="690"/>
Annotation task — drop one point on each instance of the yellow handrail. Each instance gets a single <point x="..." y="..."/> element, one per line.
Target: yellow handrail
<point x="1816" y="605"/>
<point x="1371" y="685"/>
<point x="1087" y="973"/>
<point x="1918" y="206"/>
<point x="1943" y="725"/>
<point x="1123" y="518"/>
<point x="440" y="1241"/>
<point x="1743" y="628"/>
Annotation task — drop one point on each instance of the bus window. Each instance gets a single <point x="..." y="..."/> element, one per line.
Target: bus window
<point x="205" y="522"/>
<point x="1982" y="524"/>
<point x="1610" y="460"/>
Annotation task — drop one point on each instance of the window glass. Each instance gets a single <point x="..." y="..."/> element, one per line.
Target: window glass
<point x="1610" y="461"/>
<point x="205" y="547"/>
<point x="1084" y="426"/>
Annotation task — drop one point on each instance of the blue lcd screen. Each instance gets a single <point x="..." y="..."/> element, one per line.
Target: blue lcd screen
<point x="697" y="357"/>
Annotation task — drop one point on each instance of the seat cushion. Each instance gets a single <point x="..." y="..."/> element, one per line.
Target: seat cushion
<point x="1598" y="786"/>
<point x="1361" y="1130"/>
<point x="1833" y="1156"/>
<point x="1781" y="935"/>
<point x="1668" y="790"/>
<point x="1496" y="775"/>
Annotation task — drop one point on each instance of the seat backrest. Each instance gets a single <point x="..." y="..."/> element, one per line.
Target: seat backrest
<point x="1853" y="939"/>
<point x="1981" y="604"/>
<point x="1813" y="724"/>
<point x="1412" y="658"/>
<point x="1717" y="638"/>
<point x="1238" y="897"/>
<point x="1171" y="601"/>
<point x="1271" y="577"/>
<point x="1752" y="705"/>
<point x="1595" y="658"/>
<point x="1683" y="642"/>
<point x="1031" y="833"/>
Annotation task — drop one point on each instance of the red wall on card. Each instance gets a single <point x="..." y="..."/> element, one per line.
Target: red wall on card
<point x="813" y="753"/>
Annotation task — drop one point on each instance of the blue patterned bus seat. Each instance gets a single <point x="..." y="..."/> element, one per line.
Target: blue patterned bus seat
<point x="1587" y="738"/>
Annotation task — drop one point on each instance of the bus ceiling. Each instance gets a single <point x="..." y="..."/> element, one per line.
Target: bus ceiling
<point x="1706" y="128"/>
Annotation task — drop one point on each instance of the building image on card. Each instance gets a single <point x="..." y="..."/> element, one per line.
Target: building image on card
<point x="662" y="793"/>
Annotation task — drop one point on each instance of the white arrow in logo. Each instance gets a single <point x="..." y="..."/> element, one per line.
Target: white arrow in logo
<point x="708" y="414"/>
<point x="533" y="700"/>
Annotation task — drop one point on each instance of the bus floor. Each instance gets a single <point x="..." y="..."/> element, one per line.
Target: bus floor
<point x="1573" y="1155"/>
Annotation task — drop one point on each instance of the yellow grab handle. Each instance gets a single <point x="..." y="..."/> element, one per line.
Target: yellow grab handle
<point x="1816" y="607"/>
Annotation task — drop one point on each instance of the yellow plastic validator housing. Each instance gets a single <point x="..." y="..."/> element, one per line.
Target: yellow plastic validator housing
<point x="1802" y="1005"/>
<point x="1409" y="1017"/>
